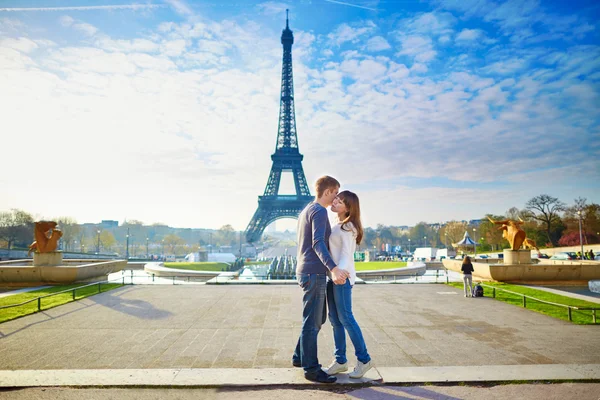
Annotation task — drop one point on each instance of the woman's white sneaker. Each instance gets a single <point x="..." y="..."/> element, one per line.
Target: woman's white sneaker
<point x="336" y="368"/>
<point x="360" y="370"/>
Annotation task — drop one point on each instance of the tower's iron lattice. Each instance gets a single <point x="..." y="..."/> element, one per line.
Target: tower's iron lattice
<point x="287" y="157"/>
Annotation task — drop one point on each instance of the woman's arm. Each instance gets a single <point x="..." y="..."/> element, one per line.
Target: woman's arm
<point x="348" y="246"/>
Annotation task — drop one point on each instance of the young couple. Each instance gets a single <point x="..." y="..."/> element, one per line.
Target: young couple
<point x="325" y="270"/>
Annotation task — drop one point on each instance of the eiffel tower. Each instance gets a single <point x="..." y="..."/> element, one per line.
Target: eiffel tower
<point x="287" y="157"/>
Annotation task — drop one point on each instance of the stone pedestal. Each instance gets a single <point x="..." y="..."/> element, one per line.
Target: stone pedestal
<point x="52" y="259"/>
<point x="512" y="257"/>
<point x="594" y="286"/>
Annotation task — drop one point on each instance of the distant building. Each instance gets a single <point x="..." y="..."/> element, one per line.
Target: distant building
<point x="108" y="223"/>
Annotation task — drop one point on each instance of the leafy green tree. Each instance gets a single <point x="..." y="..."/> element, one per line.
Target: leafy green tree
<point x="172" y="242"/>
<point x="107" y="240"/>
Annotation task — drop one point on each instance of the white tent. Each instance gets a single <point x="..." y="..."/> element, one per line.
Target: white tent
<point x="221" y="257"/>
<point x="465" y="242"/>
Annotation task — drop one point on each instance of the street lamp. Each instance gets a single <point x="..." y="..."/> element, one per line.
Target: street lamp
<point x="424" y="241"/>
<point x="580" y="236"/>
<point x="163" y="248"/>
<point x="409" y="246"/>
<point x="475" y="241"/>
<point x="446" y="239"/>
<point x="98" y="246"/>
<point x="127" y="246"/>
<point x="82" y="248"/>
<point x="147" y="252"/>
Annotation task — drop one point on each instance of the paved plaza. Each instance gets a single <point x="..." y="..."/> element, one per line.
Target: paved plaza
<point x="233" y="326"/>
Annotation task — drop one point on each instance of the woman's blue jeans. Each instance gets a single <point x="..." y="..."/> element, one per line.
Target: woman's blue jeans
<point x="339" y="299"/>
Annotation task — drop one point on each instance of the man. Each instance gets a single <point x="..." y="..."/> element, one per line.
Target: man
<point x="314" y="264"/>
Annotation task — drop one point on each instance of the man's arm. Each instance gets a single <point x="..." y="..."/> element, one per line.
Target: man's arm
<point x="319" y="227"/>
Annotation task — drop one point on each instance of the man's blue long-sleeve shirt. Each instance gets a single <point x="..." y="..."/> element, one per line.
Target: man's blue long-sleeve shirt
<point x="313" y="241"/>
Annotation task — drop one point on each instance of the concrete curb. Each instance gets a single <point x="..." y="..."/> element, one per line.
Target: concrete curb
<point x="232" y="377"/>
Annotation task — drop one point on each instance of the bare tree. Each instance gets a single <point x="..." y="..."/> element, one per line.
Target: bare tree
<point x="545" y="208"/>
<point x="454" y="231"/>
<point x="16" y="226"/>
<point x="513" y="213"/>
<point x="70" y="230"/>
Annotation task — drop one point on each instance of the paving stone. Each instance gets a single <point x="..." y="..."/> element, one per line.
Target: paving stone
<point x="224" y="326"/>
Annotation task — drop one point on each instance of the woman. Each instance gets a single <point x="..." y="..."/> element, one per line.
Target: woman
<point x="345" y="235"/>
<point x="467" y="270"/>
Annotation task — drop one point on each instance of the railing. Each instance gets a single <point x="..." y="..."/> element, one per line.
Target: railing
<point x="525" y="297"/>
<point x="73" y="290"/>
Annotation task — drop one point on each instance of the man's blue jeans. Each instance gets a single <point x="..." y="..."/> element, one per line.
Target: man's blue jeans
<point x="313" y="316"/>
<point x="339" y="298"/>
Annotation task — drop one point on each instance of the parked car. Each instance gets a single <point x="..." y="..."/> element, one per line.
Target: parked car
<point x="482" y="256"/>
<point x="564" y="256"/>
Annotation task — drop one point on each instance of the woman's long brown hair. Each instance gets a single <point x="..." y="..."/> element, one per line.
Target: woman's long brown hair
<point x="352" y="204"/>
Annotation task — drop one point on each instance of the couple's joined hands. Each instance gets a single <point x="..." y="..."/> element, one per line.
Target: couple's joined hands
<point x="339" y="276"/>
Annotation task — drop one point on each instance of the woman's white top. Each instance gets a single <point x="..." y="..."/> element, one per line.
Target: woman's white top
<point x="342" y="244"/>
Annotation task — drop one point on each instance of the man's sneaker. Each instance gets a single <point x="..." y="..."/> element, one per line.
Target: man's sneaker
<point x="320" y="376"/>
<point x="336" y="368"/>
<point x="360" y="370"/>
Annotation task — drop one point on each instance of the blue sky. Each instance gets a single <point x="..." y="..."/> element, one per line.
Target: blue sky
<point x="429" y="110"/>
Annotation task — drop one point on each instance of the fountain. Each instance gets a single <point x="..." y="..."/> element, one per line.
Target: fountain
<point x="518" y="266"/>
<point x="48" y="266"/>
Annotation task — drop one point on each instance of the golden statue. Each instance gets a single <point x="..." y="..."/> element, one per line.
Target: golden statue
<point x="45" y="242"/>
<point x="515" y="235"/>
<point x="512" y="232"/>
<point x="530" y="244"/>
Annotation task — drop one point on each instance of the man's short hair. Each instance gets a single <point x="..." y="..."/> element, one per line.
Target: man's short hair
<point x="324" y="183"/>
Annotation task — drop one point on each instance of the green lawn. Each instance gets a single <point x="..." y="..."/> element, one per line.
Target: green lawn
<point x="198" y="266"/>
<point x="378" y="265"/>
<point x="257" y="263"/>
<point x="578" y="316"/>
<point x="15" y="312"/>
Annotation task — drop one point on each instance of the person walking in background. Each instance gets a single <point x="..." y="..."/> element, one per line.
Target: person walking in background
<point x="346" y="233"/>
<point x="592" y="256"/>
<point x="467" y="270"/>
<point x="314" y="264"/>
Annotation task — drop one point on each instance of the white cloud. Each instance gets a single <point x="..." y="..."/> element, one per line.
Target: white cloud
<point x="273" y="8"/>
<point x="66" y="21"/>
<point x="432" y="23"/>
<point x="523" y="20"/>
<point x="377" y="43"/>
<point x="173" y="48"/>
<point x="468" y="35"/>
<point x="345" y="33"/>
<point x="171" y="110"/>
<point x="327" y="52"/>
<point x="21" y="44"/>
<point x="506" y="66"/>
<point x="419" y="68"/>
<point x="180" y="6"/>
<point x="419" y="47"/>
<point x="69" y="22"/>
<point x="88" y="29"/>
<point x="127" y="46"/>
